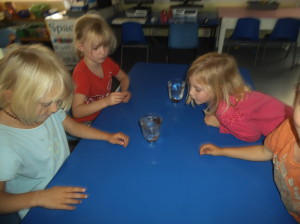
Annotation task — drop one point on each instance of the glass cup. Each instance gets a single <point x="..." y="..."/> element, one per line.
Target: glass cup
<point x="150" y="125"/>
<point x="176" y="89"/>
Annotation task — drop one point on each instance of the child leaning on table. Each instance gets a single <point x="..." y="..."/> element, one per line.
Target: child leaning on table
<point x="283" y="146"/>
<point x="94" y="41"/>
<point x="232" y="106"/>
<point x="35" y="92"/>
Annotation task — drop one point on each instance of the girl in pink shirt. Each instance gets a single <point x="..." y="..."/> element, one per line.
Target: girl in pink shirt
<point x="233" y="107"/>
<point x="282" y="146"/>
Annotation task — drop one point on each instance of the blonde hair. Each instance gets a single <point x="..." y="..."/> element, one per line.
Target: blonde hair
<point x="32" y="72"/>
<point x="220" y="74"/>
<point x="92" y="26"/>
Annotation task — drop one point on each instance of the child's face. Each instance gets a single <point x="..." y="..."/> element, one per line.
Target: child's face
<point x="47" y="107"/>
<point x="94" y="51"/>
<point x="198" y="92"/>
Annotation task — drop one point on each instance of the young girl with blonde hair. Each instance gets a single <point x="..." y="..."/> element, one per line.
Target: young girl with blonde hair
<point x="232" y="106"/>
<point x="94" y="41"/>
<point x="283" y="147"/>
<point x="35" y="91"/>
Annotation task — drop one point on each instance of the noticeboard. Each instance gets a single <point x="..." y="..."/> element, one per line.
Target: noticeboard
<point x="61" y="35"/>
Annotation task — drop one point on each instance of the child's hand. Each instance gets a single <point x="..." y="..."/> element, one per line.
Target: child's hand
<point x="119" y="138"/>
<point x="114" y="98"/>
<point x="210" y="149"/>
<point x="61" y="197"/>
<point x="211" y="120"/>
<point x="127" y="96"/>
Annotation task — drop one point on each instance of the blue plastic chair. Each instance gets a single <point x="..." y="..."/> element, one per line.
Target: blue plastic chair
<point x="133" y="37"/>
<point x="285" y="33"/>
<point x="183" y="36"/>
<point x="246" y="33"/>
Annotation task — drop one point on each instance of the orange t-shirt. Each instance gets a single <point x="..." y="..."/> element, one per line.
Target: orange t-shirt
<point x="286" y="170"/>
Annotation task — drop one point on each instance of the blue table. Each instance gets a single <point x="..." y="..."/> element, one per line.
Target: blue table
<point x="166" y="182"/>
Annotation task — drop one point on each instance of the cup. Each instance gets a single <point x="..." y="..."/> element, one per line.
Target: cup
<point x="176" y="89"/>
<point x="150" y="125"/>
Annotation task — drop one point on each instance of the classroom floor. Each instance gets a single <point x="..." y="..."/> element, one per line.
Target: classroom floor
<point x="274" y="77"/>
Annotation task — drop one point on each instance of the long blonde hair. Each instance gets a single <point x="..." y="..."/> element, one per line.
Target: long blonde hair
<point x="91" y="27"/>
<point x="31" y="72"/>
<point x="220" y="74"/>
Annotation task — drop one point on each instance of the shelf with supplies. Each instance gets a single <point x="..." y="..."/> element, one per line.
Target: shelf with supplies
<point x="30" y="29"/>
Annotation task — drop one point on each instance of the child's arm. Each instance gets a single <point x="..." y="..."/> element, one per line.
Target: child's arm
<point x="80" y="109"/>
<point x="84" y="131"/>
<point x="211" y="120"/>
<point x="253" y="153"/>
<point x="52" y="198"/>
<point x="123" y="78"/>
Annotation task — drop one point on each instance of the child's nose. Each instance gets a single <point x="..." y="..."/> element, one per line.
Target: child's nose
<point x="102" y="49"/>
<point x="191" y="92"/>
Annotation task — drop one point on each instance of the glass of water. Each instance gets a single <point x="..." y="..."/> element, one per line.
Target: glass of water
<point x="150" y="125"/>
<point x="176" y="89"/>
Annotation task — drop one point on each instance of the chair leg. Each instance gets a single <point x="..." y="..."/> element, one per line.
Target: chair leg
<point x="288" y="50"/>
<point x="122" y="57"/>
<point x="256" y="54"/>
<point x="294" y="45"/>
<point x="228" y="46"/>
<point x="263" y="54"/>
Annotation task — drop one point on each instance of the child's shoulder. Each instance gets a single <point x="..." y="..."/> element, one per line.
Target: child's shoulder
<point x="254" y="95"/>
<point x="80" y="68"/>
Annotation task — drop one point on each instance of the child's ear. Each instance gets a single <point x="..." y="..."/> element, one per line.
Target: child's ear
<point x="7" y="94"/>
<point x="79" y="45"/>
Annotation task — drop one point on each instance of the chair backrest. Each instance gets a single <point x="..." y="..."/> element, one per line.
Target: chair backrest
<point x="286" y="29"/>
<point x="183" y="36"/>
<point x="132" y="32"/>
<point x="4" y="36"/>
<point x="246" y="29"/>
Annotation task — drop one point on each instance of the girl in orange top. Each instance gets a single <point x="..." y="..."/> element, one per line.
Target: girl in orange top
<point x="283" y="147"/>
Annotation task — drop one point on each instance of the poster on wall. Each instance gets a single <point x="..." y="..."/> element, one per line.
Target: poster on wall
<point x="61" y="35"/>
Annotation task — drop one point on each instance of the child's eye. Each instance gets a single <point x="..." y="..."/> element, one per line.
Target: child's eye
<point x="48" y="104"/>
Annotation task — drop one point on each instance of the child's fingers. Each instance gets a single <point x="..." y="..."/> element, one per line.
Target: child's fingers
<point x="205" y="149"/>
<point x="119" y="94"/>
<point x="123" y="139"/>
<point x="73" y="201"/>
<point x="66" y="207"/>
<point x="78" y="195"/>
<point x="75" y="189"/>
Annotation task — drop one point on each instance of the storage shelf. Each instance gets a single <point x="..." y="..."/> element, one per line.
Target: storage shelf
<point x="29" y="19"/>
<point x="34" y="39"/>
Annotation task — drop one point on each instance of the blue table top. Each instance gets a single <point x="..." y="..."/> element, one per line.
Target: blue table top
<point x="166" y="181"/>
